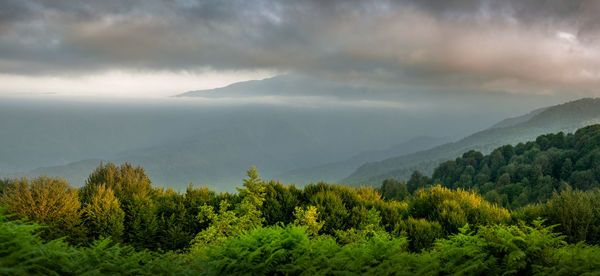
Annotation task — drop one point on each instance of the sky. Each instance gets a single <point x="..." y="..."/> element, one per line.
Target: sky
<point x="143" y="48"/>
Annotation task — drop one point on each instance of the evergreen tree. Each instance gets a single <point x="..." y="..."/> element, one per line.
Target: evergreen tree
<point x="228" y="223"/>
<point x="253" y="197"/>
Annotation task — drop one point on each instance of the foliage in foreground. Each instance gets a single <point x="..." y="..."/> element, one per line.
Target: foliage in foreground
<point x="493" y="250"/>
<point x="24" y="252"/>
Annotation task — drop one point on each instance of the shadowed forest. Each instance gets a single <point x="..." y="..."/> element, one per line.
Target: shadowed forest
<point x="533" y="208"/>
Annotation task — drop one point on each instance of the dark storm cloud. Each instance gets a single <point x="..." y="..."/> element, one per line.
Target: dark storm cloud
<point x="518" y="46"/>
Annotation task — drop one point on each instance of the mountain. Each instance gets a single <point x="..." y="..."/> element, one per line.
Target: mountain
<point x="317" y="90"/>
<point x="288" y="85"/>
<point x="332" y="172"/>
<point x="566" y="117"/>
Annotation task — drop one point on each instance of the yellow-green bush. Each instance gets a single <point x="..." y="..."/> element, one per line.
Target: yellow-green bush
<point x="455" y="208"/>
<point x="47" y="200"/>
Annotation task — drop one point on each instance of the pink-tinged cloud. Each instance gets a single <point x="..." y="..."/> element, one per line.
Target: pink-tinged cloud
<point x="535" y="47"/>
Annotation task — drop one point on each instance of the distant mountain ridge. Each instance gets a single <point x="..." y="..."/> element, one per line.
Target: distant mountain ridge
<point x="517" y="120"/>
<point x="566" y="117"/>
<point x="285" y="85"/>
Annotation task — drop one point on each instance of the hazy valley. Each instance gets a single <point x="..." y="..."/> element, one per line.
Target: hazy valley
<point x="182" y="140"/>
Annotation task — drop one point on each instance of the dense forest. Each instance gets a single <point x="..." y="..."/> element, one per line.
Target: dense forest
<point x="514" y="176"/>
<point x="529" y="209"/>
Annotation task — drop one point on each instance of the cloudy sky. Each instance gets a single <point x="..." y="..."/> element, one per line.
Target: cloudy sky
<point x="153" y="47"/>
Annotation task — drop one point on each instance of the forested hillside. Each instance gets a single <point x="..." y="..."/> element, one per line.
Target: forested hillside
<point x="566" y="117"/>
<point x="118" y="223"/>
<point x="513" y="176"/>
<point x="516" y="175"/>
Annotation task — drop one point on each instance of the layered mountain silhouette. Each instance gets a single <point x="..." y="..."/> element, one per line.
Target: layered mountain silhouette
<point x="566" y="117"/>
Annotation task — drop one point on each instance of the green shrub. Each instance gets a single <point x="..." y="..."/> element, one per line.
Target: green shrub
<point x="493" y="250"/>
<point x="421" y="233"/>
<point x="455" y="208"/>
<point x="577" y="214"/>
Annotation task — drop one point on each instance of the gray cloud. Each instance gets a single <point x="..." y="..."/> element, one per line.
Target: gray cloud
<point x="537" y="46"/>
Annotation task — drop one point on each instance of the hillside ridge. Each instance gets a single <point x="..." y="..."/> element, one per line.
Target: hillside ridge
<point x="566" y="117"/>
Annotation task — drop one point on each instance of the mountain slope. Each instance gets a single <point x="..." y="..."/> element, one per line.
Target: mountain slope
<point x="334" y="171"/>
<point x="518" y="120"/>
<point x="566" y="117"/>
<point x="288" y="85"/>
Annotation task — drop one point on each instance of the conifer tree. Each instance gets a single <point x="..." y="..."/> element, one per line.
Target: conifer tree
<point x="253" y="196"/>
<point x="227" y="223"/>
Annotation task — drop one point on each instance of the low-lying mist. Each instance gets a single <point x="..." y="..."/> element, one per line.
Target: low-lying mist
<point x="211" y="141"/>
